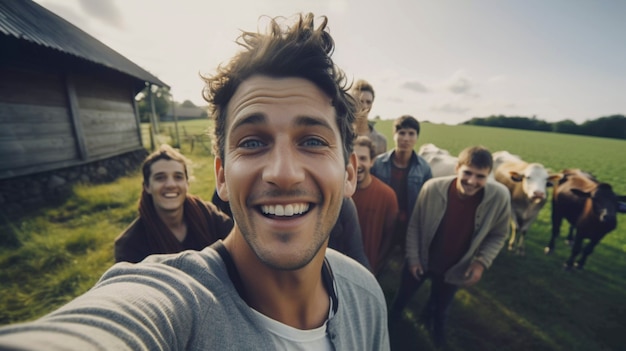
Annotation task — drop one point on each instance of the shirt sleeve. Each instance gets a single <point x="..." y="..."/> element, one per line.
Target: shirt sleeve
<point x="132" y="307"/>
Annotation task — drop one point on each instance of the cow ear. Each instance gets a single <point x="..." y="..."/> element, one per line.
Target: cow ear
<point x="581" y="193"/>
<point x="552" y="179"/>
<point x="516" y="177"/>
<point x="621" y="207"/>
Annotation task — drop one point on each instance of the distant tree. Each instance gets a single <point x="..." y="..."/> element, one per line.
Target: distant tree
<point x="161" y="96"/>
<point x="514" y="122"/>
<point x="187" y="103"/>
<point x="608" y="127"/>
<point x="566" y="126"/>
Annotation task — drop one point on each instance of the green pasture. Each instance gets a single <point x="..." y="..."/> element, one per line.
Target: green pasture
<point x="530" y="303"/>
<point x="522" y="303"/>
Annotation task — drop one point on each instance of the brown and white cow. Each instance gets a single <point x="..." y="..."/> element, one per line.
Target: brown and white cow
<point x="527" y="183"/>
<point x="440" y="161"/>
<point x="589" y="206"/>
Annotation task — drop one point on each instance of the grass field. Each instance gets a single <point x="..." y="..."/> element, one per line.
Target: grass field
<point x="522" y="303"/>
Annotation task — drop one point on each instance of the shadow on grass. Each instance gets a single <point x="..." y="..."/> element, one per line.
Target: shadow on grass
<point x="524" y="303"/>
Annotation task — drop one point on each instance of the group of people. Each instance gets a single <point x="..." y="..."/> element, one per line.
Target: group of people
<point x="299" y="168"/>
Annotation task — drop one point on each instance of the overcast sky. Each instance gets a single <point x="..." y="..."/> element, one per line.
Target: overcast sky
<point x="439" y="60"/>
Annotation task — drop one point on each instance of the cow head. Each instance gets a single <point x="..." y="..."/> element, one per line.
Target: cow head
<point x="535" y="179"/>
<point x="604" y="202"/>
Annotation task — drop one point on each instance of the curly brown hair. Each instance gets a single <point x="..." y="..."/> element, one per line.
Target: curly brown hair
<point x="300" y="51"/>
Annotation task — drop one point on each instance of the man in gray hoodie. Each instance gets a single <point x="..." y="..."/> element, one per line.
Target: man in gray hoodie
<point x="284" y="162"/>
<point x="456" y="230"/>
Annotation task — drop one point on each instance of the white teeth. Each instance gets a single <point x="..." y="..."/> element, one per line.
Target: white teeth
<point x="280" y="210"/>
<point x="170" y="195"/>
<point x="289" y="210"/>
<point x="285" y="210"/>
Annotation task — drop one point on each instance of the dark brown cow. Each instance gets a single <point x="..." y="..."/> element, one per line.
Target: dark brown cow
<point x="589" y="206"/>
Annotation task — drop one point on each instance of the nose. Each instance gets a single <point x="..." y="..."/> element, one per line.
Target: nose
<point x="284" y="168"/>
<point x="606" y="216"/>
<point x="471" y="180"/>
<point x="170" y="182"/>
<point x="539" y="194"/>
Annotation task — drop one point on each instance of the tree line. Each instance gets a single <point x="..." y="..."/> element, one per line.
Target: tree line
<point x="607" y="127"/>
<point x="162" y="100"/>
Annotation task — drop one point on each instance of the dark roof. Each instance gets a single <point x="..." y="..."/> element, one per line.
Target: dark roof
<point x="26" y="20"/>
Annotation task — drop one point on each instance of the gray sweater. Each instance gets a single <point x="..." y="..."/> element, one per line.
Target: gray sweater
<point x="186" y="301"/>
<point x="491" y="226"/>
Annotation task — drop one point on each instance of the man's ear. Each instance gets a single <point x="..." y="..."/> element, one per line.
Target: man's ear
<point x="351" y="167"/>
<point x="220" y="179"/>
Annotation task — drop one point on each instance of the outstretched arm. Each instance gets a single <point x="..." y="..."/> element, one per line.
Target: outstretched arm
<point x="133" y="307"/>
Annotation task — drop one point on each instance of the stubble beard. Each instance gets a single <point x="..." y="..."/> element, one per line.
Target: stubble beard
<point x="275" y="260"/>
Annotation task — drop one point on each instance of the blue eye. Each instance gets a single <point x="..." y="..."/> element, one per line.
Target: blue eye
<point x="251" y="144"/>
<point x="313" y="142"/>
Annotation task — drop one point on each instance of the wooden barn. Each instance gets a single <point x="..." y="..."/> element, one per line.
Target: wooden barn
<point x="67" y="103"/>
<point x="65" y="98"/>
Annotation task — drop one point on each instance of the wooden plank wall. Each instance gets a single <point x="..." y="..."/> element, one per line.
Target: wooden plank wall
<point x="35" y="128"/>
<point x="107" y="115"/>
<point x="37" y="132"/>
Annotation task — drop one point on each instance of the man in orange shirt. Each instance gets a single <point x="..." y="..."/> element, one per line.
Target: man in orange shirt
<point x="377" y="207"/>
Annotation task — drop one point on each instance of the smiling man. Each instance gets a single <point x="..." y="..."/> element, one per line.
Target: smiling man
<point x="284" y="162"/>
<point x="170" y="219"/>
<point x="457" y="228"/>
<point x="377" y="207"/>
<point x="363" y="93"/>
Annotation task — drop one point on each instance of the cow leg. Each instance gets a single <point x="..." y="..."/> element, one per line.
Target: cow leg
<point x="578" y="243"/>
<point x="512" y="243"/>
<point x="520" y="245"/>
<point x="586" y="252"/>
<point x="570" y="236"/>
<point x="556" y="229"/>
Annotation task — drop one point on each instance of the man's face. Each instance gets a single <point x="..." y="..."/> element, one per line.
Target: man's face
<point x="470" y="179"/>
<point x="364" y="163"/>
<point x="405" y="139"/>
<point x="283" y="170"/>
<point x="366" y="100"/>
<point x="168" y="185"/>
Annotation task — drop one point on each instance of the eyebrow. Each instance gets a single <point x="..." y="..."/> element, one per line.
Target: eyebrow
<point x="165" y="173"/>
<point x="308" y="121"/>
<point x="301" y="121"/>
<point x="251" y="119"/>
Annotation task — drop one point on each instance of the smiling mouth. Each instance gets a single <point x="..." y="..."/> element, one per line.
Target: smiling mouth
<point x="289" y="210"/>
<point x="170" y="195"/>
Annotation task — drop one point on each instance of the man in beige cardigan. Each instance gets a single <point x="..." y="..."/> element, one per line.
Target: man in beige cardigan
<point x="457" y="228"/>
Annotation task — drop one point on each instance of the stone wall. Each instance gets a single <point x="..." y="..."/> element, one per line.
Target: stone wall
<point x="21" y="195"/>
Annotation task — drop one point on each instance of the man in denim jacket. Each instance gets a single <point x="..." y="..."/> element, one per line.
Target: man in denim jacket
<point x="404" y="171"/>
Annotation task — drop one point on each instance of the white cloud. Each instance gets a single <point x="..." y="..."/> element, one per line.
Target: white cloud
<point x="414" y="86"/>
<point x="104" y="10"/>
<point x="497" y="79"/>
<point x="459" y="83"/>
<point x="338" y="6"/>
<point x="451" y="108"/>
<point x="395" y="99"/>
